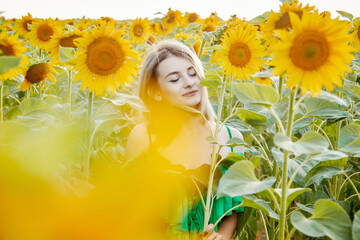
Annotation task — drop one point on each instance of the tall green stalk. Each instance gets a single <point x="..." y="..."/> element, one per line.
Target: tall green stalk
<point x="213" y="157"/>
<point x="69" y="99"/>
<point x="1" y="101"/>
<point x="88" y="137"/>
<point x="284" y="184"/>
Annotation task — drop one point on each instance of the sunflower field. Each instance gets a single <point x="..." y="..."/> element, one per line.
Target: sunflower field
<point x="288" y="80"/>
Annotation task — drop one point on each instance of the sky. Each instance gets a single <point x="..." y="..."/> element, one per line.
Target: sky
<point x="131" y="9"/>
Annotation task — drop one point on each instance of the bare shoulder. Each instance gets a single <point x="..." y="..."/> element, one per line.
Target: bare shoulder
<point x="138" y="141"/>
<point x="224" y="136"/>
<point x="235" y="133"/>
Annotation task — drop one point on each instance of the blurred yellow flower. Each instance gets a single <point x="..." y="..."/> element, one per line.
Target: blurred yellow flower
<point x="65" y="40"/>
<point x="191" y="38"/>
<point x="191" y="18"/>
<point x="241" y="53"/>
<point x="10" y="45"/>
<point x="356" y="34"/>
<point x="211" y="23"/>
<point x="264" y="81"/>
<point x="37" y="74"/>
<point x="22" y="25"/>
<point x="105" y="60"/>
<point x="42" y="30"/>
<point x="172" y="20"/>
<point x="315" y="53"/>
<point x="139" y="30"/>
<point x="281" y="20"/>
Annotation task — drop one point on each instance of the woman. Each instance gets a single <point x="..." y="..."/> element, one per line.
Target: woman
<point x="169" y="85"/>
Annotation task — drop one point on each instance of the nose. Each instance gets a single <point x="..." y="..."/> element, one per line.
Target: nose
<point x="188" y="82"/>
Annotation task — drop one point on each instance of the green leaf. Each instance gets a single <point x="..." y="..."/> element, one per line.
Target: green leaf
<point x="256" y="94"/>
<point x="345" y="14"/>
<point x="66" y="53"/>
<point x="317" y="174"/>
<point x="235" y="142"/>
<point x="256" y="20"/>
<point x="240" y="180"/>
<point x="251" y="118"/>
<point x="32" y="105"/>
<point x="329" y="219"/>
<point x="349" y="140"/>
<point x="324" y="108"/>
<point x="259" y="204"/>
<point x="353" y="92"/>
<point x="206" y="36"/>
<point x="305" y="208"/>
<point x="9" y="62"/>
<point x="310" y="143"/>
<point x="292" y="194"/>
<point x="356" y="226"/>
<point x="231" y="158"/>
<point x="335" y="99"/>
<point x="193" y="27"/>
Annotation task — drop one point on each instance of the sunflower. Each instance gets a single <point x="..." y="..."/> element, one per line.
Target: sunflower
<point x="264" y="81"/>
<point x="37" y="73"/>
<point x="11" y="46"/>
<point x="190" y="38"/>
<point x="281" y="19"/>
<point x="211" y="23"/>
<point x="65" y="40"/>
<point x="105" y="60"/>
<point x="140" y="30"/>
<point x="172" y="20"/>
<point x="356" y="34"/>
<point x="157" y="28"/>
<point x="22" y="25"/>
<point x="42" y="30"/>
<point x="315" y="53"/>
<point x="240" y="53"/>
<point x="191" y="18"/>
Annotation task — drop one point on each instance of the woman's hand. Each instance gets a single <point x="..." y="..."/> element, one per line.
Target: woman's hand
<point x="210" y="234"/>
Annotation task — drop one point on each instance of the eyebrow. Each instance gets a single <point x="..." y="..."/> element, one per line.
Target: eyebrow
<point x="176" y="72"/>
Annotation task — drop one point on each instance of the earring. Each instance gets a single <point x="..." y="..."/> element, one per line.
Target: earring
<point x="157" y="97"/>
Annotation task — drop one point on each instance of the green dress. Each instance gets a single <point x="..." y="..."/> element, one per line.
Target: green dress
<point x="192" y="219"/>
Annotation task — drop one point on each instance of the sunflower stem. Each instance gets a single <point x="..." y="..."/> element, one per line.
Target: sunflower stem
<point x="281" y="83"/>
<point x="214" y="157"/>
<point x="88" y="137"/>
<point x="284" y="186"/>
<point x="202" y="47"/>
<point x="1" y="101"/>
<point x="69" y="100"/>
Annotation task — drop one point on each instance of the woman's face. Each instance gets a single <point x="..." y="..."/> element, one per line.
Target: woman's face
<point x="179" y="82"/>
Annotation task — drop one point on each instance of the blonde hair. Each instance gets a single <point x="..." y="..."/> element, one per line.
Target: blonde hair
<point x="148" y="77"/>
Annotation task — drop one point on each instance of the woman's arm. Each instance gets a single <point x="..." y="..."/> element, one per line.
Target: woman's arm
<point x="138" y="142"/>
<point x="228" y="225"/>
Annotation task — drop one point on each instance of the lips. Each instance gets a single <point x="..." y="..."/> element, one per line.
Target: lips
<point x="190" y="94"/>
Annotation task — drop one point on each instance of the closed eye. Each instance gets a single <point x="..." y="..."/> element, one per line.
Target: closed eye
<point x="175" y="80"/>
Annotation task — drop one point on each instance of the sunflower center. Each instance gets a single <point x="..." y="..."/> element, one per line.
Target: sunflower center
<point x="284" y="20"/>
<point x="138" y="30"/>
<point x="192" y="17"/>
<point x="45" y="32"/>
<point x="104" y="56"/>
<point x="309" y="51"/>
<point x="239" y="54"/>
<point x="37" y="73"/>
<point x="358" y="32"/>
<point x="210" y="28"/>
<point x="68" y="41"/>
<point x="6" y="50"/>
<point x="25" y="25"/>
<point x="171" y="18"/>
